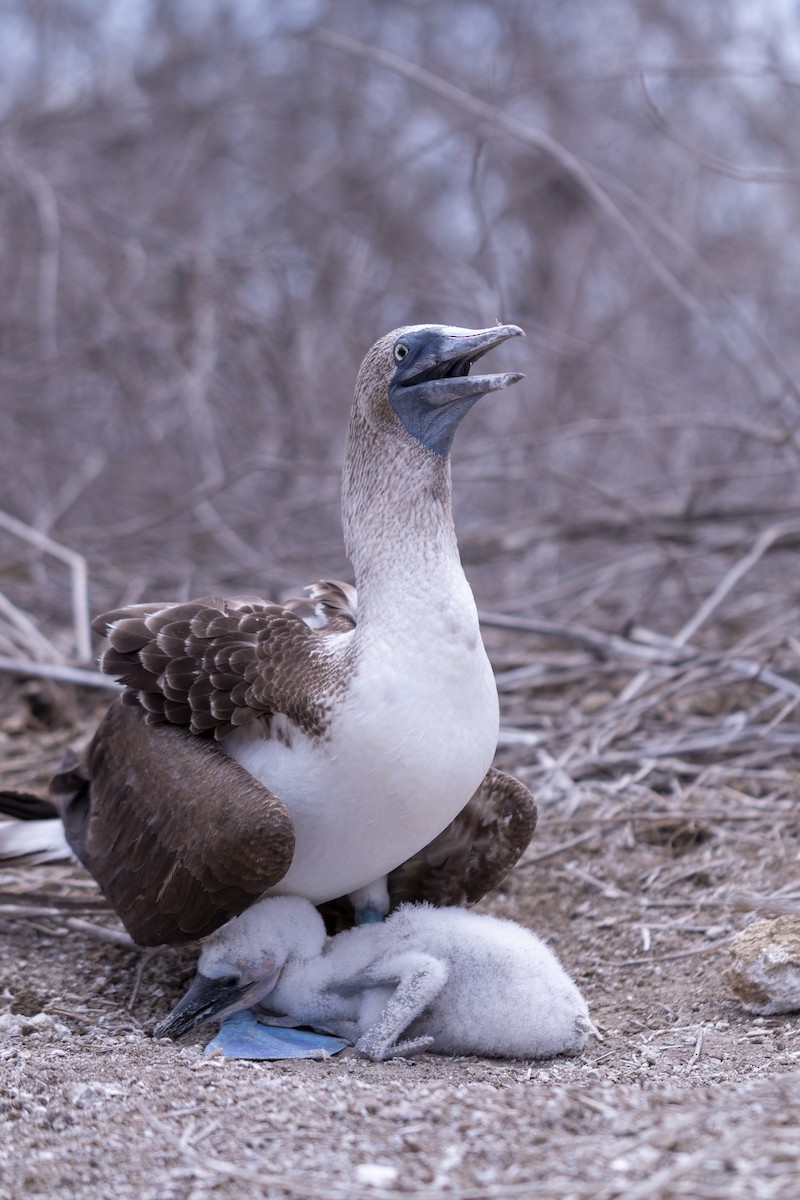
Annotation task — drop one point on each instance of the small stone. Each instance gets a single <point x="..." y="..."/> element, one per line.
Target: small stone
<point x="765" y="966"/>
<point x="92" y="1092"/>
<point x="375" y="1174"/>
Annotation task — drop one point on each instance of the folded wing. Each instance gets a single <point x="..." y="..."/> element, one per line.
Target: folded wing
<point x="178" y="835"/>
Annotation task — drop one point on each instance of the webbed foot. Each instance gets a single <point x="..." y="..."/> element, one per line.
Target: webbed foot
<point x="371" y="903"/>
<point x="243" y="1036"/>
<point x="367" y="915"/>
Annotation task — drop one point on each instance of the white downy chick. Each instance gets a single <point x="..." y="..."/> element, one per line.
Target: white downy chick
<point x="443" y="979"/>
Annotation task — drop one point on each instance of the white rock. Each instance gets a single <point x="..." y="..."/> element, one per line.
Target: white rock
<point x="765" y="966"/>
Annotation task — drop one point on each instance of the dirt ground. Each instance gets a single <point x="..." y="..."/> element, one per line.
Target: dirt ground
<point x="683" y="1094"/>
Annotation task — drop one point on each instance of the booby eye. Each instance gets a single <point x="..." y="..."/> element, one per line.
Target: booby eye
<point x="400" y="351"/>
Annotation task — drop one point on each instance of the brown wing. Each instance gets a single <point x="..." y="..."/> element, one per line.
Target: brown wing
<point x="469" y="858"/>
<point x="178" y="835"/>
<point x="214" y="665"/>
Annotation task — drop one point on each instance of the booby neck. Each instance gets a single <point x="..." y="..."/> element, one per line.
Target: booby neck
<point x="398" y="525"/>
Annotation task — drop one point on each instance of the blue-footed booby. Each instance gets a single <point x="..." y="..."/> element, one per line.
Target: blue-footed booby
<point x="332" y="747"/>
<point x="439" y="979"/>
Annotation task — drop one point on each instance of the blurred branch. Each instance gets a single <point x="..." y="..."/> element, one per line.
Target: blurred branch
<point x="714" y="68"/>
<point x="539" y="140"/>
<point x="46" y="205"/>
<point x="80" y="578"/>
<point x="204" y="491"/>
<point x="33" y="641"/>
<point x="703" y="157"/>
<point x="743" y="319"/>
<point x="630" y="425"/>
<point x="71" y="490"/>
<point x="732" y="577"/>
<point x="762" y="544"/>
<point x="60" y="672"/>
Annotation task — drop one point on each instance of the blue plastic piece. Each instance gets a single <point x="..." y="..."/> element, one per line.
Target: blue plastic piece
<point x="243" y="1036"/>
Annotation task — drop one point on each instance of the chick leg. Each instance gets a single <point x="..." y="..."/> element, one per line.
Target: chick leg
<point x="421" y="979"/>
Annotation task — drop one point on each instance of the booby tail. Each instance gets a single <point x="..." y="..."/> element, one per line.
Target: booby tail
<point x="31" y="837"/>
<point x="25" y="806"/>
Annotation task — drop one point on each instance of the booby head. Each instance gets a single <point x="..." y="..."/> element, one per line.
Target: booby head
<point x="429" y="387"/>
<point x="240" y="963"/>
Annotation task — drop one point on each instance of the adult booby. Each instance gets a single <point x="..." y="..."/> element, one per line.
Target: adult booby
<point x="315" y="748"/>
<point x="440" y="979"/>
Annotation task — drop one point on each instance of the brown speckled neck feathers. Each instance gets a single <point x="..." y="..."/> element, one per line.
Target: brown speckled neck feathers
<point x="392" y="487"/>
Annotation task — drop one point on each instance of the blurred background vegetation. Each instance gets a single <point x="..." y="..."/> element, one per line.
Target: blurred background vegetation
<point x="209" y="211"/>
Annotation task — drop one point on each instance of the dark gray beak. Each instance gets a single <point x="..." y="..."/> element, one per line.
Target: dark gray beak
<point x="205" y="1000"/>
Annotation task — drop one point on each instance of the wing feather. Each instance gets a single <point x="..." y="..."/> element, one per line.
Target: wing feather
<point x="178" y="835"/>
<point x="215" y="665"/>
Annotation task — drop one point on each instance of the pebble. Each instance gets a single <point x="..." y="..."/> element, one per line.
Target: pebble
<point x="375" y="1174"/>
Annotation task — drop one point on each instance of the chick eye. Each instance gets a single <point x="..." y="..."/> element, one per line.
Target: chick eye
<point x="229" y="981"/>
<point x="400" y="351"/>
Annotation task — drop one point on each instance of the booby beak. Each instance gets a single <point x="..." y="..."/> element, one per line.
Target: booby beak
<point x="432" y="389"/>
<point x="442" y="371"/>
<point x="208" y="999"/>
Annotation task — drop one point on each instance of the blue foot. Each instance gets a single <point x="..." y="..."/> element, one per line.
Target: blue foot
<point x="367" y="915"/>
<point x="242" y="1036"/>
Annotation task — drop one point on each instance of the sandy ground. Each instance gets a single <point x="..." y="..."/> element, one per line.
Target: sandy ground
<point x="685" y="1095"/>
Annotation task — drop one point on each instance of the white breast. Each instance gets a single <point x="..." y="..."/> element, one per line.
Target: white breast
<point x="406" y="749"/>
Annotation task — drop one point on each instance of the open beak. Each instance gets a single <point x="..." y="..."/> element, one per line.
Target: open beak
<point x="443" y="374"/>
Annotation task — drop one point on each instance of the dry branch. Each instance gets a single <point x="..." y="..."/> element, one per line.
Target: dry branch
<point x="117" y="937"/>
